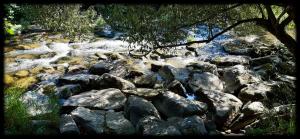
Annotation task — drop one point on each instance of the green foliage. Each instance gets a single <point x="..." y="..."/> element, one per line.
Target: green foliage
<point x="62" y="18"/>
<point x="16" y="118"/>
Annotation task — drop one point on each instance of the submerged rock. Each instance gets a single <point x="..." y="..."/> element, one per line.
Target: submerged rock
<point x="104" y="99"/>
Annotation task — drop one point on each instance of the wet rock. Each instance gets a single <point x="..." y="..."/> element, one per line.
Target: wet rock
<point x="93" y="121"/>
<point x="22" y="73"/>
<point x="100" y="68"/>
<point x="111" y="81"/>
<point x="118" y="124"/>
<point x="201" y="66"/>
<point x="68" y="125"/>
<point x="254" y="92"/>
<point x="48" y="55"/>
<point x="230" y="60"/>
<point x="85" y="80"/>
<point x="104" y="99"/>
<point x="142" y="92"/>
<point x="274" y="59"/>
<point x="171" y="104"/>
<point x="147" y="81"/>
<point x="153" y="126"/>
<point x="206" y="81"/>
<point x="236" y="77"/>
<point x="68" y="90"/>
<point x="176" y="87"/>
<point x="155" y="66"/>
<point x="225" y="106"/>
<point x="137" y="108"/>
<point x="36" y="103"/>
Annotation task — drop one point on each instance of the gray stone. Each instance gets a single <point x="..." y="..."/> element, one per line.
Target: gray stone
<point x="206" y="81"/>
<point x="274" y="59"/>
<point x="176" y="87"/>
<point x="93" y="121"/>
<point x="85" y="80"/>
<point x="68" y="90"/>
<point x="171" y="104"/>
<point x="254" y="92"/>
<point x="192" y="125"/>
<point x="68" y="125"/>
<point x="137" y="108"/>
<point x="118" y="124"/>
<point x="142" y="92"/>
<point x="111" y="81"/>
<point x="147" y="80"/>
<point x="100" y="68"/>
<point x="202" y="66"/>
<point x="225" y="106"/>
<point x="230" y="60"/>
<point x="110" y="98"/>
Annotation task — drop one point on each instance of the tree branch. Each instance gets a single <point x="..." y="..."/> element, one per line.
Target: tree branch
<point x="283" y="12"/>
<point x="271" y="15"/>
<point x="285" y="22"/>
<point x="216" y="35"/>
<point x="261" y="11"/>
<point x="209" y="17"/>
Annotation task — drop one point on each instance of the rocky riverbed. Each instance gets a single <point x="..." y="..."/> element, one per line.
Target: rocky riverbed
<point x="222" y="88"/>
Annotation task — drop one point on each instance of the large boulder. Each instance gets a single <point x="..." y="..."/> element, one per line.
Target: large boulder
<point x="68" y="90"/>
<point x="236" y="77"/>
<point x="111" y="81"/>
<point x="100" y="68"/>
<point x="249" y="114"/>
<point x="67" y="125"/>
<point x="119" y="68"/>
<point x="201" y="66"/>
<point x="117" y="124"/>
<point x="147" y="80"/>
<point x="85" y="80"/>
<point x="93" y="121"/>
<point x="170" y="73"/>
<point x="224" y="106"/>
<point x="254" y="92"/>
<point x="176" y="87"/>
<point x="192" y="125"/>
<point x="142" y="92"/>
<point x="230" y="60"/>
<point x="137" y="108"/>
<point x="107" y="99"/>
<point x="206" y="81"/>
<point x="153" y="126"/>
<point x="171" y="104"/>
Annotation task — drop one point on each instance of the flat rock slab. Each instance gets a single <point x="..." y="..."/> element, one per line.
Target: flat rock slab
<point x="142" y="92"/>
<point x="206" y="81"/>
<point x="110" y="98"/>
<point x="231" y="60"/>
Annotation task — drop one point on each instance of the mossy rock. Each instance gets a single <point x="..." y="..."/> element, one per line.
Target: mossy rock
<point x="22" y="73"/>
<point x="25" y="82"/>
<point x="8" y="79"/>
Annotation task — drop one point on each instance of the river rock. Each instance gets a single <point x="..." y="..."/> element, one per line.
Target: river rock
<point x="266" y="71"/>
<point x="107" y="99"/>
<point x="192" y="125"/>
<point x="170" y="73"/>
<point x="114" y="56"/>
<point x="206" y="81"/>
<point x="85" y="80"/>
<point x="201" y="66"/>
<point x="230" y="60"/>
<point x="93" y="121"/>
<point x="171" y="104"/>
<point x="142" y="92"/>
<point x="36" y="103"/>
<point x="176" y="87"/>
<point x="225" y="106"/>
<point x="288" y="68"/>
<point x="274" y="59"/>
<point x="147" y="80"/>
<point x="117" y="124"/>
<point x="76" y="69"/>
<point x="100" y="68"/>
<point x="236" y="77"/>
<point x="153" y="126"/>
<point x="111" y="81"/>
<point x="137" y="108"/>
<point x="254" y="92"/>
<point x="22" y="73"/>
<point x="68" y="125"/>
<point x="68" y="90"/>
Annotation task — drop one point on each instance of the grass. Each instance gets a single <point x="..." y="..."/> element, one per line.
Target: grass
<point x="18" y="121"/>
<point x="275" y="125"/>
